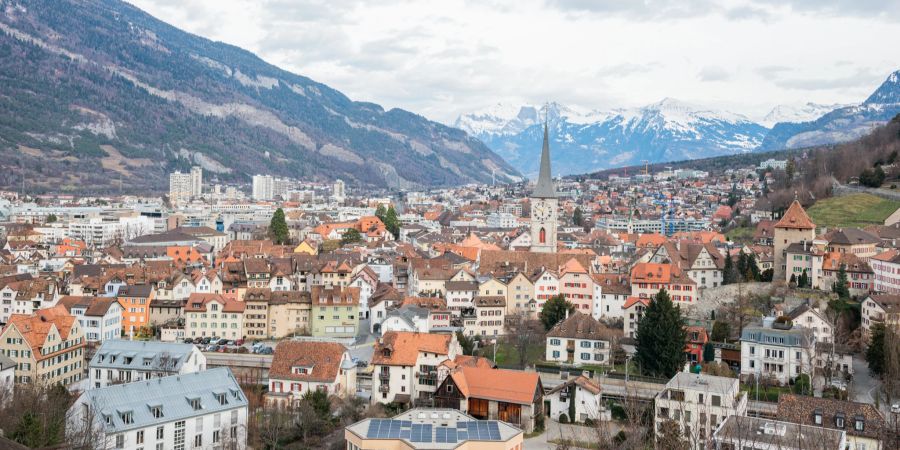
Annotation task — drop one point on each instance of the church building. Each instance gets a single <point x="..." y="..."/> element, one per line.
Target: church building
<point x="544" y="205"/>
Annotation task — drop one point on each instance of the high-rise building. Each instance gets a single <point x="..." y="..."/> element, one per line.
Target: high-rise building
<point x="263" y="187"/>
<point x="184" y="186"/>
<point x="340" y="191"/>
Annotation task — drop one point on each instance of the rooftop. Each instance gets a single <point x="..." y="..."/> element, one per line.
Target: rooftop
<point x="433" y="428"/>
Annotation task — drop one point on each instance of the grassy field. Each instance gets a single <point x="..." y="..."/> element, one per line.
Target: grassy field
<point x="856" y="210"/>
<point x="740" y="234"/>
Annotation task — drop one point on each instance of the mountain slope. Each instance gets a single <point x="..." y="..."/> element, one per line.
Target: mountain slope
<point x="589" y="140"/>
<point x="842" y="124"/>
<point x="97" y="90"/>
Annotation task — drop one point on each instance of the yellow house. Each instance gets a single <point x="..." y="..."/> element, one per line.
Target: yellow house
<point x="519" y="291"/>
<point x="492" y="287"/>
<point x="307" y="248"/>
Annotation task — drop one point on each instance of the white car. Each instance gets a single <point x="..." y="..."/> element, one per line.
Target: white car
<point x="895" y="408"/>
<point x="839" y="384"/>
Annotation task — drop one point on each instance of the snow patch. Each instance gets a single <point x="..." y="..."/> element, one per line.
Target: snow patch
<point x="259" y="81"/>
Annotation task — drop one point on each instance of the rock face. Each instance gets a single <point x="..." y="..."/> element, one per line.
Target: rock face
<point x="79" y="76"/>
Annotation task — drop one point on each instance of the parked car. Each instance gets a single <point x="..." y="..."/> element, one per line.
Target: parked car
<point x="205" y="341"/>
<point x="188" y="341"/>
<point x="212" y="348"/>
<point x="895" y="408"/>
<point x="222" y="341"/>
<point x="266" y="351"/>
<point x="239" y="342"/>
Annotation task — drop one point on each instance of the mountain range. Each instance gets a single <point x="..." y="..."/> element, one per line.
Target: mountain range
<point x="670" y="130"/>
<point x="99" y="95"/>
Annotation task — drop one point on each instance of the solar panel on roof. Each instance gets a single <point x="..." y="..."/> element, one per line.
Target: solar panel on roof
<point x="494" y="430"/>
<point x="395" y="429"/>
<point x="461" y="425"/>
<point x="406" y="423"/>
<point x="451" y="435"/>
<point x="440" y="435"/>
<point x="373" y="429"/>
<point x="405" y="434"/>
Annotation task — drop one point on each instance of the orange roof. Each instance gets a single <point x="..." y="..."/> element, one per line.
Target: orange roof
<point x="512" y="386"/>
<point x="183" y="254"/>
<point x="651" y="273"/>
<point x="470" y="361"/>
<point x="650" y="240"/>
<point x="197" y="303"/>
<point x="886" y="255"/>
<point x="632" y="300"/>
<point x="35" y="327"/>
<point x="404" y="347"/>
<point x="572" y="266"/>
<point x="795" y="217"/>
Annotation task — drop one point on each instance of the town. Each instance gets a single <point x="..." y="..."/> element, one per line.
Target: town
<point x="672" y="308"/>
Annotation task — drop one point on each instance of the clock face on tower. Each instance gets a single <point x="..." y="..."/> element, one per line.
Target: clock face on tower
<point x="541" y="212"/>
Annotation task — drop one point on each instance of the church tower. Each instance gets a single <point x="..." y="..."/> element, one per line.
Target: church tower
<point x="544" y="205"/>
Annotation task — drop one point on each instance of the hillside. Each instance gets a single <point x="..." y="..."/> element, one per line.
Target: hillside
<point x="95" y="91"/>
<point x="855" y="210"/>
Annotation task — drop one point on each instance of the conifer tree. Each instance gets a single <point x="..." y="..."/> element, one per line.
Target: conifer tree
<point x="278" y="229"/>
<point x="661" y="337"/>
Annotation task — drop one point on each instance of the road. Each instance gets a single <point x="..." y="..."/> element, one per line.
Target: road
<point x="866" y="388"/>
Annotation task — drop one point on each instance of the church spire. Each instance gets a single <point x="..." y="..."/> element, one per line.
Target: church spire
<point x="544" y="187"/>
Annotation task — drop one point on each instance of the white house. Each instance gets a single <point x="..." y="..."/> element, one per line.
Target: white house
<point x="810" y="318"/>
<point x="581" y="339"/>
<point x="610" y="293"/>
<point x="780" y="351"/>
<point x="123" y="361"/>
<point x="405" y="365"/>
<point x="699" y="403"/>
<point x="584" y="394"/>
<point x="299" y="367"/>
<point x="198" y="410"/>
<point x="100" y="317"/>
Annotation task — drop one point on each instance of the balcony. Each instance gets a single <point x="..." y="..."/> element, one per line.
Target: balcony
<point x="384" y="388"/>
<point x="384" y="375"/>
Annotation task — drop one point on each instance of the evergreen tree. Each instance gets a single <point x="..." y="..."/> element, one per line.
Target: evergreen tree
<point x="391" y="222"/>
<point x="467" y="344"/>
<point x="793" y="279"/>
<point x="578" y="217"/>
<point x="840" y="285"/>
<point x="721" y="331"/>
<point x="555" y="310"/>
<point x="875" y="353"/>
<point x="742" y="267"/>
<point x="790" y="169"/>
<point x="728" y="273"/>
<point x="661" y="337"/>
<point x="804" y="280"/>
<point x="753" y="269"/>
<point x="380" y="212"/>
<point x="350" y="236"/>
<point x="709" y="352"/>
<point x="278" y="229"/>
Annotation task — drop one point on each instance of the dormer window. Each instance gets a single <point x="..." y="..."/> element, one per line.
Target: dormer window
<point x="108" y="419"/>
<point x="839" y="421"/>
<point x="297" y="370"/>
<point x="222" y="398"/>
<point x="859" y="423"/>
<point x="817" y="417"/>
<point x="156" y="411"/>
<point x="127" y="417"/>
<point x="195" y="403"/>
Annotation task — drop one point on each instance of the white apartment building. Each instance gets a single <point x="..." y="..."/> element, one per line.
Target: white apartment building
<point x="263" y="187"/>
<point x="502" y="220"/>
<point x="212" y="315"/>
<point x="192" y="411"/>
<point x="886" y="267"/>
<point x="580" y="339"/>
<point x="405" y="365"/>
<point x="699" y="403"/>
<point x="123" y="361"/>
<point x="100" y="317"/>
<point x="184" y="186"/>
<point x="103" y="232"/>
<point x="778" y="351"/>
<point x="339" y="191"/>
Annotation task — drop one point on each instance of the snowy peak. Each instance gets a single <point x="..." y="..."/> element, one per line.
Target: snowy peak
<point x="888" y="93"/>
<point x="798" y="113"/>
<point x="498" y="119"/>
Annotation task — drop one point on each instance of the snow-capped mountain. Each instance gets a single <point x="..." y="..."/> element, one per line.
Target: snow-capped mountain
<point x="842" y="124"/>
<point x="586" y="140"/>
<point x="797" y="113"/>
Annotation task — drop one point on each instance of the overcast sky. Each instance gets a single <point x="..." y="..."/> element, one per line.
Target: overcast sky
<point x="439" y="58"/>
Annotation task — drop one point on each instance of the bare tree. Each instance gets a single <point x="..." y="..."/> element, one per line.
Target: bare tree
<point x="523" y="334"/>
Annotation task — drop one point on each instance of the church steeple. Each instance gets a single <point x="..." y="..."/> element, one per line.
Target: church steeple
<point x="544" y="187"/>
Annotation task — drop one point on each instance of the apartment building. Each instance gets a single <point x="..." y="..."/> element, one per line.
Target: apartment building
<point x="577" y="286"/>
<point x="699" y="403"/>
<point x="123" y="361"/>
<point x="289" y="314"/>
<point x="191" y="411"/>
<point x="135" y="301"/>
<point x="299" y="367"/>
<point x="100" y="317"/>
<point x="405" y="365"/>
<point x="47" y="346"/>
<point x="335" y="311"/>
<point x="880" y="308"/>
<point x="777" y="350"/>
<point x="741" y="432"/>
<point x="212" y="315"/>
<point x="581" y="339"/>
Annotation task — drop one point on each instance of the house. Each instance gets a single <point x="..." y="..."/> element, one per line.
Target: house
<point x="703" y="263"/>
<point x="197" y="410"/>
<point x="519" y="291"/>
<point x="851" y="241"/>
<point x="546" y="286"/>
<point x="212" y="315"/>
<point x="633" y="310"/>
<point x="697" y="337"/>
<point x="47" y="346"/>
<point x="459" y="295"/>
<point x="886" y="267"/>
<point x="577" y="286"/>
<point x="578" y="399"/>
<point x="863" y="424"/>
<point x="880" y="308"/>
<point x="122" y="361"/>
<point x="299" y="367"/>
<point x="794" y="227"/>
<point x="609" y="296"/>
<point x="256" y="312"/>
<point x="135" y="300"/>
<point x="7" y="376"/>
<point x="489" y="317"/>
<point x="581" y="339"/>
<point x="741" y="432"/>
<point x="407" y="318"/>
<point x="804" y="258"/>
<point x="777" y="350"/>
<point x="430" y="428"/>
<point x="405" y="365"/>
<point x="164" y="311"/>
<point x="699" y="403"/>
<point x="289" y="314"/>
<point x="100" y="317"/>
<point x="335" y="311"/>
<point x="512" y="396"/>
<point x="647" y="279"/>
<point x="860" y="276"/>
<point x="811" y="318"/>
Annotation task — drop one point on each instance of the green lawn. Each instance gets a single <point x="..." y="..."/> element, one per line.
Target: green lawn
<point x="740" y="234"/>
<point x="855" y="210"/>
<point x="508" y="356"/>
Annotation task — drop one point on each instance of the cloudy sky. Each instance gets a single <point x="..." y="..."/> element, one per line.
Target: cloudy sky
<point x="443" y="57"/>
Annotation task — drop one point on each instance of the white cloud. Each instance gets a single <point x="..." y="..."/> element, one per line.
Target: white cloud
<point x="439" y="59"/>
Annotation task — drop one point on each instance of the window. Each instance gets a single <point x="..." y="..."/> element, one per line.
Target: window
<point x="156" y="411"/>
<point x="160" y="432"/>
<point x="179" y="435"/>
<point x="120" y="441"/>
<point x="839" y="421"/>
<point x="195" y="403"/>
<point x="716" y="400"/>
<point x="139" y="437"/>
<point x="859" y="424"/>
<point x="198" y="440"/>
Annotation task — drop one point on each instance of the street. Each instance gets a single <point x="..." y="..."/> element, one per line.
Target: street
<point x="865" y="388"/>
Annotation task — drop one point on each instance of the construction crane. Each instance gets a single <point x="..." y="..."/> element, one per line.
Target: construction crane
<point x="646" y="166"/>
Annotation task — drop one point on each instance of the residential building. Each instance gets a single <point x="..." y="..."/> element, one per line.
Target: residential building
<point x="123" y="361"/>
<point x="47" y="346"/>
<point x="863" y="424"/>
<point x="135" y="300"/>
<point x="703" y="263"/>
<point x="459" y="295"/>
<point x="579" y="394"/>
<point x="197" y="410"/>
<point x="429" y="428"/>
<point x="886" y="267"/>
<point x="697" y="337"/>
<point x="633" y="310"/>
<point x="213" y="315"/>
<point x="512" y="396"/>
<point x="577" y="286"/>
<point x="299" y="367"/>
<point x="7" y="376"/>
<point x="489" y="317"/>
<point x="519" y="291"/>
<point x="860" y="276"/>
<point x="335" y="311"/>
<point x="804" y="258"/>
<point x="581" y="339"/>
<point x="256" y="312"/>
<point x="880" y="308"/>
<point x="263" y="187"/>
<point x="851" y="241"/>
<point x="185" y="186"/>
<point x="405" y="365"/>
<point x="647" y="279"/>
<point x="100" y="317"/>
<point x="794" y="227"/>
<point x="609" y="295"/>
<point x="777" y="350"/>
<point x="741" y="432"/>
<point x="811" y="318"/>
<point x="699" y="403"/>
<point x="289" y="314"/>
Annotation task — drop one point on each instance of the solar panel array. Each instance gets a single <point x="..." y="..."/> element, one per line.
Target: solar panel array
<point x="405" y="429"/>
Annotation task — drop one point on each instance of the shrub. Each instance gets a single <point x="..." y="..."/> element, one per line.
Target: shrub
<point x="588" y="422"/>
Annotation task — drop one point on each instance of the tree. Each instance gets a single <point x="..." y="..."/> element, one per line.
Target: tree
<point x="840" y="285"/>
<point x="278" y="229"/>
<point x="803" y="280"/>
<point x="351" y="236"/>
<point x="670" y="437"/>
<point x="728" y="272"/>
<point x="721" y="331"/>
<point x="523" y="335"/>
<point x="789" y="169"/>
<point x="661" y="337"/>
<point x="876" y="351"/>
<point x="380" y="212"/>
<point x="578" y="217"/>
<point x="555" y="310"/>
<point x="51" y="218"/>
<point x="872" y="178"/>
<point x="468" y="345"/>
<point x="391" y="222"/>
<point x="709" y="352"/>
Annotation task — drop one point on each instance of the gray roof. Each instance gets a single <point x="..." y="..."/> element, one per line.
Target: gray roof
<point x="703" y="382"/>
<point x="142" y="290"/>
<point x="173" y="394"/>
<point x="6" y="363"/>
<point x="139" y="351"/>
<point x="765" y="433"/>
<point x="544" y="187"/>
<point x="434" y="421"/>
<point x="168" y="237"/>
